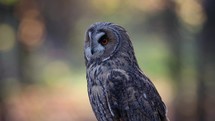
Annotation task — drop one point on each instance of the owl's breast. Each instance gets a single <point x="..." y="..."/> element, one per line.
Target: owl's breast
<point x="97" y="93"/>
<point x="96" y="73"/>
<point x="94" y="80"/>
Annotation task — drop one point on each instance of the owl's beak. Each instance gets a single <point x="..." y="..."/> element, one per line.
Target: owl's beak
<point x="92" y="46"/>
<point x="92" y="51"/>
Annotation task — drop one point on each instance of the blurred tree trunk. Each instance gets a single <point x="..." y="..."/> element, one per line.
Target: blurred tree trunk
<point x="174" y="41"/>
<point x="206" y="68"/>
<point x="166" y="23"/>
<point x="183" y="108"/>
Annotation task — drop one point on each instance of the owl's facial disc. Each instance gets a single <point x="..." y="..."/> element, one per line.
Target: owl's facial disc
<point x="95" y="48"/>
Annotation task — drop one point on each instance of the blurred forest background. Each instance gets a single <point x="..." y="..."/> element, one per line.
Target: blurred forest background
<point x="42" y="72"/>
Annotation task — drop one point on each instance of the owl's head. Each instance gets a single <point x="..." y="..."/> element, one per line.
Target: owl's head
<point x="104" y="39"/>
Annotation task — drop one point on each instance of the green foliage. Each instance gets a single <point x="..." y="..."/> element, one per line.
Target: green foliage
<point x="8" y="2"/>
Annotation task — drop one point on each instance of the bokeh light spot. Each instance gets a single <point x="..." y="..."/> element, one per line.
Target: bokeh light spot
<point x="149" y="5"/>
<point x="106" y="6"/>
<point x="191" y="12"/>
<point x="31" y="29"/>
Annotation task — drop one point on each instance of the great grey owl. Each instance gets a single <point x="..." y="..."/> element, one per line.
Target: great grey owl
<point x="117" y="88"/>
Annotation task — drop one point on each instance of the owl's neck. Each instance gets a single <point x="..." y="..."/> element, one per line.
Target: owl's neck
<point x="115" y="62"/>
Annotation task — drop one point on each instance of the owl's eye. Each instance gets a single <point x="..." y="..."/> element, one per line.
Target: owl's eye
<point x="104" y="40"/>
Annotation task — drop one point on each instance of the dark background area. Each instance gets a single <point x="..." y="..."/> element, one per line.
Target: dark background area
<point x="42" y="72"/>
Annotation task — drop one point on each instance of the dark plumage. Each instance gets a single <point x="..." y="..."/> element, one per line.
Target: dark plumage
<point x="117" y="88"/>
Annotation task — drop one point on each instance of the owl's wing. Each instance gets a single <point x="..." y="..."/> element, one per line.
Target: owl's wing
<point x="132" y="97"/>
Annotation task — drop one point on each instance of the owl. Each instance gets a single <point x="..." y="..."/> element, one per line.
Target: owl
<point x="117" y="88"/>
